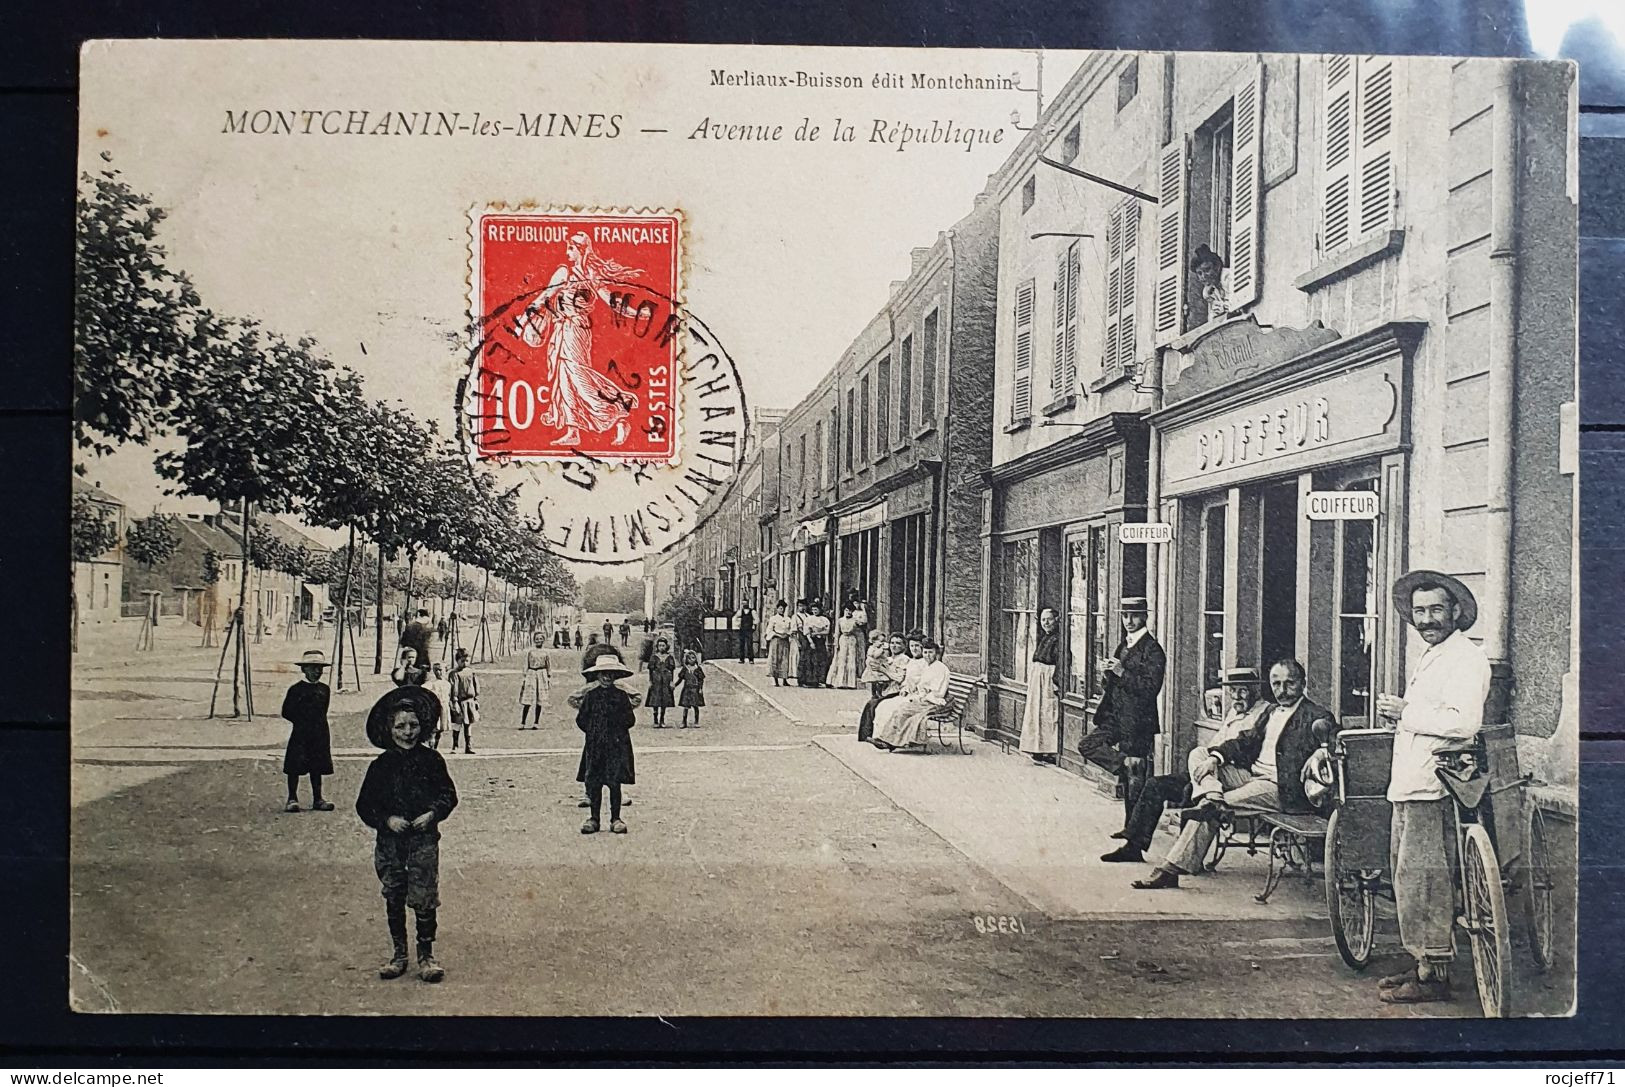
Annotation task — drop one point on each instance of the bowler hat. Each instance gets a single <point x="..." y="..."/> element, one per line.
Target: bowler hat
<point x="1466" y="603"/>
<point x="607" y="663"/>
<point x="1133" y="603"/>
<point x="417" y="699"/>
<point x="313" y="658"/>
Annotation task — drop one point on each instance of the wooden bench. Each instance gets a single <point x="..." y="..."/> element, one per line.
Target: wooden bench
<point x="953" y="713"/>
<point x="1296" y="843"/>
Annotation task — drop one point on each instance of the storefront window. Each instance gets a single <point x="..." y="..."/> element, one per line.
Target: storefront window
<point x="1357" y="612"/>
<point x="1213" y="573"/>
<point x="1019" y="582"/>
<point x="1087" y="613"/>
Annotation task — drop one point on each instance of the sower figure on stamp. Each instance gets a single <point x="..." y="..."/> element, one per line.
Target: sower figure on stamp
<point x="1443" y="707"/>
<point x="561" y="317"/>
<point x="1242" y="710"/>
<point x="405" y="796"/>
<point x="1126" y="720"/>
<point x="1261" y="767"/>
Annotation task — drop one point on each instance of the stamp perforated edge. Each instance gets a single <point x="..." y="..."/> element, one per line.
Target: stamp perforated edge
<point x="469" y="387"/>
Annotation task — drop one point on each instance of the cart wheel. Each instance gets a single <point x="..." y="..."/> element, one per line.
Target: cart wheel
<point x="1537" y="890"/>
<point x="1487" y="923"/>
<point x="1350" y="903"/>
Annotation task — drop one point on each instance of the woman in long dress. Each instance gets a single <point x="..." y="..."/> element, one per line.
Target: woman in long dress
<point x="901" y="721"/>
<point x="843" y="668"/>
<point x="814" y="661"/>
<point x="798" y="641"/>
<point x="883" y="671"/>
<point x="1041" y="723"/>
<point x="780" y="632"/>
<point x="561" y="318"/>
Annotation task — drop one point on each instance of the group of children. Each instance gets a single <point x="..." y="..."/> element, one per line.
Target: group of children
<point x="408" y="792"/>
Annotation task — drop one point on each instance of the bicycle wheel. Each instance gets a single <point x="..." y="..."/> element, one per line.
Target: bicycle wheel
<point x="1537" y="891"/>
<point x="1486" y="923"/>
<point x="1350" y="903"/>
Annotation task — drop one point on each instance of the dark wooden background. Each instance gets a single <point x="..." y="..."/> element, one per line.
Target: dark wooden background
<point x="38" y="78"/>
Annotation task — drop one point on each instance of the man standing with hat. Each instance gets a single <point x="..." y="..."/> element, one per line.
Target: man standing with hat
<point x="1242" y="711"/>
<point x="1127" y="717"/>
<point x="1443" y="707"/>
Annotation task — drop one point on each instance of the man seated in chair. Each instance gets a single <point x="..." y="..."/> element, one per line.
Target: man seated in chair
<point x="1260" y="768"/>
<point x="1242" y="709"/>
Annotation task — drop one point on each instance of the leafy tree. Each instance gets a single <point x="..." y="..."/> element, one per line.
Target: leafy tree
<point x="94" y="533"/>
<point x="151" y="540"/>
<point x="136" y="328"/>
<point x="211" y="566"/>
<point x="685" y="610"/>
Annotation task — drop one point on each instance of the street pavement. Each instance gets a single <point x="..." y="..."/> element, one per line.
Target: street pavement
<point x="774" y="866"/>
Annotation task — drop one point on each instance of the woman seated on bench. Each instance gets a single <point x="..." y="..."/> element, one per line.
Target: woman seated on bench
<point x="900" y="722"/>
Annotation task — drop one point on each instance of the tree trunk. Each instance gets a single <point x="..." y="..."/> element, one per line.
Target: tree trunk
<point x="242" y="615"/>
<point x="378" y="619"/>
<point x="342" y="616"/>
<point x="451" y="627"/>
<point x="485" y="639"/>
<point x="406" y="605"/>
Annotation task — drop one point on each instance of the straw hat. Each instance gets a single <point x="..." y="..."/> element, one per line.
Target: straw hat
<point x="417" y="699"/>
<point x="1466" y="603"/>
<point x="313" y="658"/>
<point x="607" y="664"/>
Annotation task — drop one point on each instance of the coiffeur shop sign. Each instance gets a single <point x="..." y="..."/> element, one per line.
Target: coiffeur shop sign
<point x="1351" y="414"/>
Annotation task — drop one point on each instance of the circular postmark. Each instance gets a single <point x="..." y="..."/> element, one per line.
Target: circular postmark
<point x="572" y="387"/>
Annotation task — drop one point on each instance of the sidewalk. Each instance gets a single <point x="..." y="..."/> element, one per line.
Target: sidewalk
<point x="1037" y="829"/>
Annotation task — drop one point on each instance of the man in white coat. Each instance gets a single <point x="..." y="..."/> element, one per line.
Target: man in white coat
<point x="1443" y="707"/>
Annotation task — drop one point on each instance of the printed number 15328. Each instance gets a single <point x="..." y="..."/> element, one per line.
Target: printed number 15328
<point x="992" y="924"/>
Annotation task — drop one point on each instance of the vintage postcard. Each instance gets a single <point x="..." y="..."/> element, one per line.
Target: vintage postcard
<point x="613" y="529"/>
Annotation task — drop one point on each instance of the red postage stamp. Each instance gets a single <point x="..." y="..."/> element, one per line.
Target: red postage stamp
<point x="574" y="358"/>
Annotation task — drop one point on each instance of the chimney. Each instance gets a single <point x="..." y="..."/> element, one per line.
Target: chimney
<point x="916" y="257"/>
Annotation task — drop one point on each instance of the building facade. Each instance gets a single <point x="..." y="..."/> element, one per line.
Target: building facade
<point x="1346" y="285"/>
<point x="880" y="466"/>
<point x="98" y="584"/>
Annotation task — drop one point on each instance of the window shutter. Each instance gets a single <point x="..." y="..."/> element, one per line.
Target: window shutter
<point x="1375" y="157"/>
<point x="1021" y="406"/>
<point x="1337" y="149"/>
<point x="1246" y="184"/>
<point x="1127" y="289"/>
<point x="1074" y="266"/>
<point x="1114" y="286"/>
<point x="1057" y="372"/>
<point x="1168" y="293"/>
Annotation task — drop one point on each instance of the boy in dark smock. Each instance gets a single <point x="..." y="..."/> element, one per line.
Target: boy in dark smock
<point x="405" y="796"/>
<point x="310" y="742"/>
<point x="605" y="718"/>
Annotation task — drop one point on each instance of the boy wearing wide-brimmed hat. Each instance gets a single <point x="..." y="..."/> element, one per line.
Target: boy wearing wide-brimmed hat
<point x="605" y="718"/>
<point x="405" y="796"/>
<point x="310" y="743"/>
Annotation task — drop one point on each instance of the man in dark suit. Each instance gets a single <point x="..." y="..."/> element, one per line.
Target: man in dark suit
<point x="747" y="633"/>
<point x="1260" y="767"/>
<point x="1126" y="722"/>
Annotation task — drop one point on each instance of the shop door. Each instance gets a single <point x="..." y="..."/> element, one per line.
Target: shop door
<point x="1358" y="587"/>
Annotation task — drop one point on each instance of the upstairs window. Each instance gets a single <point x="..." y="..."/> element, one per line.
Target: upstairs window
<point x="883" y="405"/>
<point x="863" y="420"/>
<point x="851" y="426"/>
<point x="905" y="393"/>
<point x="1069" y="145"/>
<point x="1029" y="193"/>
<point x="928" y="370"/>
<point x="1128" y="83"/>
<point x="1357" y="179"/>
<point x="1209" y="184"/>
<point x="1121" y="345"/>
<point x="834" y="442"/>
<point x="1063" y="376"/>
<point x="1021" y="400"/>
<point x="818" y="454"/>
